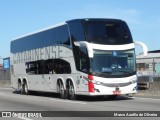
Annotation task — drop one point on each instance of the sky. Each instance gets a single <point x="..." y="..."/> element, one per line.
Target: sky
<point x="19" y="17"/>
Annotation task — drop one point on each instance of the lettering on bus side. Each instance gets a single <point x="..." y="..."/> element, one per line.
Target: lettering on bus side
<point x="50" y="52"/>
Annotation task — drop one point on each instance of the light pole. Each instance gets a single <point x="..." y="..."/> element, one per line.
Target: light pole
<point x="153" y="67"/>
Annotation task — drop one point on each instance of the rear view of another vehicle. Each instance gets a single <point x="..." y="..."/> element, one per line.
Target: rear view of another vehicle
<point x="144" y="82"/>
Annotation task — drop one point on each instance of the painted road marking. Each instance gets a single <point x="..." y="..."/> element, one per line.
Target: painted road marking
<point x="68" y="101"/>
<point x="5" y="88"/>
<point x="24" y="118"/>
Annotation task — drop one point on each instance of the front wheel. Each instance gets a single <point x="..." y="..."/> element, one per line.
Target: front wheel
<point x="21" y="88"/>
<point x="26" y="91"/>
<point x="71" y="92"/>
<point x="61" y="90"/>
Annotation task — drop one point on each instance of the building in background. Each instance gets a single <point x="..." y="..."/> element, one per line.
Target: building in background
<point x="1" y="66"/>
<point x="149" y="65"/>
<point x="5" y="69"/>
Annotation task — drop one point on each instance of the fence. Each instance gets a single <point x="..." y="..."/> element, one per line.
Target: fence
<point x="4" y="74"/>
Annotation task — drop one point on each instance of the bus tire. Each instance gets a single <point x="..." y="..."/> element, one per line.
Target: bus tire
<point x="21" y="87"/>
<point x="26" y="91"/>
<point x="67" y="90"/>
<point x="61" y="90"/>
<point x="71" y="91"/>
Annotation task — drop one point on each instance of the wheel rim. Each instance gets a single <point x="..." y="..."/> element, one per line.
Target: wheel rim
<point x="21" y="89"/>
<point x="26" y="88"/>
<point x="71" y="91"/>
<point x="61" y="90"/>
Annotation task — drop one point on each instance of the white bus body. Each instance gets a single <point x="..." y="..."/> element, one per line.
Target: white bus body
<point x="78" y="57"/>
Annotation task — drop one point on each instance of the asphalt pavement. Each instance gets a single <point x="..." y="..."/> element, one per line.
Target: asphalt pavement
<point x="50" y="106"/>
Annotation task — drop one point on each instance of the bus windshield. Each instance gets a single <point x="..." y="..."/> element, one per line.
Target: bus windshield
<point x="108" y="32"/>
<point x="113" y="63"/>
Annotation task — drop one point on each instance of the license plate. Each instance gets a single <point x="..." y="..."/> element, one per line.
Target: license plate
<point x="116" y="92"/>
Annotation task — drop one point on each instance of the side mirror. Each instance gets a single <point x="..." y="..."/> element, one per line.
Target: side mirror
<point x="145" y="49"/>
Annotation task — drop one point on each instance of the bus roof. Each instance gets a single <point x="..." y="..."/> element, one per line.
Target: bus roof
<point x="63" y="23"/>
<point x="95" y="19"/>
<point x="41" y="30"/>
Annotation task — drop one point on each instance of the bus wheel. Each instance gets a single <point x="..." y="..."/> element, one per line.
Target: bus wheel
<point x="61" y="90"/>
<point x="21" y="87"/>
<point x="71" y="91"/>
<point x="26" y="91"/>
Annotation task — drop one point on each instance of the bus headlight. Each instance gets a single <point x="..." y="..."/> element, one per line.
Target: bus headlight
<point x="133" y="80"/>
<point x="98" y="83"/>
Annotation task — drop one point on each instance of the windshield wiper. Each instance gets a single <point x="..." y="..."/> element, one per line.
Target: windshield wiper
<point x="107" y="72"/>
<point x="102" y="73"/>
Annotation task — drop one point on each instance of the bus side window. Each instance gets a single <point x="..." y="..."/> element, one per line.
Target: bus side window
<point x="83" y="59"/>
<point x="62" y="67"/>
<point x="56" y="66"/>
<point x="30" y="68"/>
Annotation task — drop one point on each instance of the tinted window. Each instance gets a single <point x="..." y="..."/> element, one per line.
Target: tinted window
<point x="50" y="66"/>
<point x="80" y="55"/>
<point x="54" y="36"/>
<point x="62" y="35"/>
<point x="113" y="63"/>
<point x="62" y="66"/>
<point x="82" y="59"/>
<point x="107" y="32"/>
<point x="76" y="31"/>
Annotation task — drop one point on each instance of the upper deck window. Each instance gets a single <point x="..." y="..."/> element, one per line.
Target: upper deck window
<point x="107" y="32"/>
<point x="51" y="37"/>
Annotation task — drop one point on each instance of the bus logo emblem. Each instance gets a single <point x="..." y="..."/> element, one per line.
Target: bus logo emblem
<point x="117" y="85"/>
<point x="114" y="53"/>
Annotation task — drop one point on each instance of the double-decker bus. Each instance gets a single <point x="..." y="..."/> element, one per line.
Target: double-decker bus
<point x="78" y="57"/>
